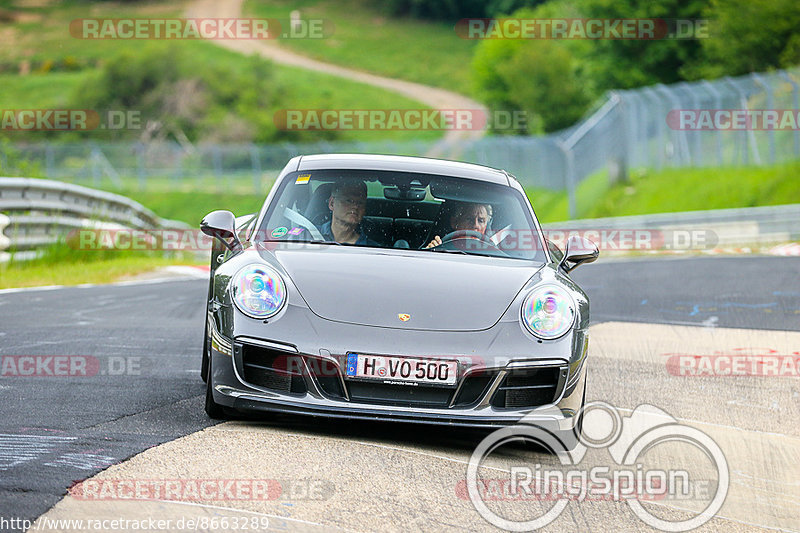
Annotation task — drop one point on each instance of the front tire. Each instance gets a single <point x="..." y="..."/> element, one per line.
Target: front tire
<point x="214" y="410"/>
<point x="204" y="365"/>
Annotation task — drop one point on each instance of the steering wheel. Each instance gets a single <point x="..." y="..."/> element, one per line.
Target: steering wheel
<point x="464" y="234"/>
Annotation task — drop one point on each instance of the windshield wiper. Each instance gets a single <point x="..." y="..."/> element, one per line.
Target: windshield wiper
<point x="318" y="241"/>
<point x="451" y="251"/>
<point x="315" y="241"/>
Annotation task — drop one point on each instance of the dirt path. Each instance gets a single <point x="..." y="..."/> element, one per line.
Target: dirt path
<point x="430" y="96"/>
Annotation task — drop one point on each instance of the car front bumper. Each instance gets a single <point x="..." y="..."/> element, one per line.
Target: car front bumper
<point x="306" y="392"/>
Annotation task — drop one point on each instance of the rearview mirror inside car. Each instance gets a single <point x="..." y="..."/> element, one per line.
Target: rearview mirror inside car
<point x="396" y="193"/>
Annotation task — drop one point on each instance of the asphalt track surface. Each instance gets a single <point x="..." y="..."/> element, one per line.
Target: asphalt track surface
<point x="145" y="342"/>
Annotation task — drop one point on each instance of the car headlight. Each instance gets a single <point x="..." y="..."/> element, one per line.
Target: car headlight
<point x="548" y="311"/>
<point x="258" y="291"/>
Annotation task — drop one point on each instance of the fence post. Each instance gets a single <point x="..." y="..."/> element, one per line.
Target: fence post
<point x="569" y="177"/>
<point x="216" y="155"/>
<point x="661" y="144"/>
<point x="138" y="149"/>
<point x="255" y="161"/>
<point x="796" y="98"/>
<point x="697" y="156"/>
<point x="681" y="147"/>
<point x="618" y="169"/>
<point x="48" y="161"/>
<point x="770" y="104"/>
<point x="717" y="105"/>
<point x="748" y="139"/>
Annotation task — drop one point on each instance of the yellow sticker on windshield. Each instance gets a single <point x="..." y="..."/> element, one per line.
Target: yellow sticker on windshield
<point x="302" y="178"/>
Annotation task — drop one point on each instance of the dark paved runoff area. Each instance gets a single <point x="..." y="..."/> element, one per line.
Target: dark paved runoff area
<point x="143" y="343"/>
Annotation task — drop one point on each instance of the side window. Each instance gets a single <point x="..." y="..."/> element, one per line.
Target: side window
<point x="555" y="251"/>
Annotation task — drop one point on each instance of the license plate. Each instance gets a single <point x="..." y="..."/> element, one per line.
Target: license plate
<point x="401" y="369"/>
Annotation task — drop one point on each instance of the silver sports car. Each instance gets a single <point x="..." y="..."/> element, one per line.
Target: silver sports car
<point x="395" y="288"/>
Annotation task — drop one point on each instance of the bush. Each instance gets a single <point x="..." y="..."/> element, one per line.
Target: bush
<point x="544" y="78"/>
<point x="451" y="10"/>
<point x="179" y="94"/>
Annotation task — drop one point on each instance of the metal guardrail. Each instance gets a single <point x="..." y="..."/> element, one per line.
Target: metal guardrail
<point x="39" y="212"/>
<point x="719" y="227"/>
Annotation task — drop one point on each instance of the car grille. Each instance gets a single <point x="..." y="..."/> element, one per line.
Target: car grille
<point x="403" y="395"/>
<point x="271" y="369"/>
<point x="529" y="387"/>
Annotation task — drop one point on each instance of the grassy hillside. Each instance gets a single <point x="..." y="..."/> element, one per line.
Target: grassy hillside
<point x="675" y="190"/>
<point x="55" y="66"/>
<point x="365" y="39"/>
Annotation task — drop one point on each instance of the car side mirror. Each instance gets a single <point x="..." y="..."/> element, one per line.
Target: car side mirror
<point x="579" y="250"/>
<point x="222" y="225"/>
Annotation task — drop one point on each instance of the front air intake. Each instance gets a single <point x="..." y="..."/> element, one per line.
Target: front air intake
<point x="528" y="387"/>
<point x="272" y="369"/>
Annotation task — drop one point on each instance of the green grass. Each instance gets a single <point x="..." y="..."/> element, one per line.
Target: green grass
<point x="41" y="33"/>
<point x="192" y="206"/>
<point x="310" y="90"/>
<point x="698" y="189"/>
<point x="65" y="263"/>
<point x="39" y="273"/>
<point x="38" y="91"/>
<point x="366" y="39"/>
<point x="674" y="190"/>
<point x="42" y="37"/>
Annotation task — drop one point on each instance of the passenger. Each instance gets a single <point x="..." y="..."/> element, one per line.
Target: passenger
<point x="473" y="217"/>
<point x="348" y="203"/>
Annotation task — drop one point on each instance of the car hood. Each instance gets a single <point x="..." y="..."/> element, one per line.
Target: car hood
<point x="438" y="291"/>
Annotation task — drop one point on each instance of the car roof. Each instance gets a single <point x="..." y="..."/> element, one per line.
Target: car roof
<point x="399" y="163"/>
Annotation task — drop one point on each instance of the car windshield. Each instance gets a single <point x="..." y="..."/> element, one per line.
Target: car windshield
<point x="383" y="209"/>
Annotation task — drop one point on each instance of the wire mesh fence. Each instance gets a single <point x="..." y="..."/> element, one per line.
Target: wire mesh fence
<point x="749" y="120"/>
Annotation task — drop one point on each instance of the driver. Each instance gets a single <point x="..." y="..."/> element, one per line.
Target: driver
<point x="473" y="217"/>
<point x="348" y="203"/>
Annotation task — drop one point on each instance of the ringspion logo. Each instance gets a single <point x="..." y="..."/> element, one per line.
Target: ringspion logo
<point x="692" y="469"/>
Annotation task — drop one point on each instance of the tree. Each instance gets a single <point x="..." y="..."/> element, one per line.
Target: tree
<point x="630" y="63"/>
<point x="748" y="36"/>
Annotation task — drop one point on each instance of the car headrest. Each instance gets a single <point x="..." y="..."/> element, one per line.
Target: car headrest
<point x="317" y="210"/>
